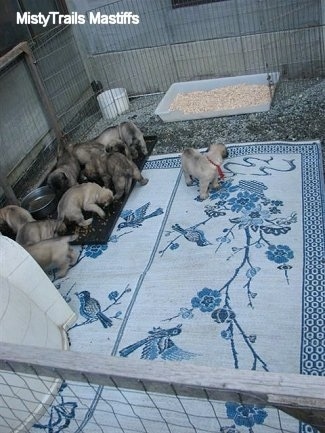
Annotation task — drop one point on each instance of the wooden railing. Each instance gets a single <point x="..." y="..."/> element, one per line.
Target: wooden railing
<point x="300" y="396"/>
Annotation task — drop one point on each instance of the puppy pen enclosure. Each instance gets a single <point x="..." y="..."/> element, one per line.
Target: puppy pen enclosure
<point x="49" y="90"/>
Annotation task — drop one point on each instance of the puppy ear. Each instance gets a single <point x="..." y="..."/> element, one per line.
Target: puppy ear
<point x="225" y="153"/>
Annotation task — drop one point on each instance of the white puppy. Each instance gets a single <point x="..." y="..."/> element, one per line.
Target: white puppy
<point x="204" y="167"/>
<point x="85" y="196"/>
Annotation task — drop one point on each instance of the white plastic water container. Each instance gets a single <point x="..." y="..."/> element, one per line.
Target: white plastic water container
<point x="113" y="102"/>
<point x="121" y="100"/>
<point x="107" y="105"/>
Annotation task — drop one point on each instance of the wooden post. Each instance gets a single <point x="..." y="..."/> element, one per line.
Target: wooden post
<point x="9" y="192"/>
<point x="24" y="50"/>
<point x="5" y="60"/>
<point x="12" y="55"/>
<point x="47" y="104"/>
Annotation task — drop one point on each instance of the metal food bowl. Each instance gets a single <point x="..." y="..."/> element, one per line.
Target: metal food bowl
<point x="41" y="202"/>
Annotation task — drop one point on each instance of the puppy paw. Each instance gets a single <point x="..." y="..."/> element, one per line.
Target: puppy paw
<point x="143" y="181"/>
<point x="215" y="184"/>
<point x="203" y="196"/>
<point x="134" y="154"/>
<point x="118" y="196"/>
<point x="62" y="272"/>
<point x="85" y="223"/>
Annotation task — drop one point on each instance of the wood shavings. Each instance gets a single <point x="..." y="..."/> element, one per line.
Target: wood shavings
<point x="223" y="98"/>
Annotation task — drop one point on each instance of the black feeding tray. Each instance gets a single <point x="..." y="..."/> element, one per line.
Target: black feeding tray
<point x="101" y="228"/>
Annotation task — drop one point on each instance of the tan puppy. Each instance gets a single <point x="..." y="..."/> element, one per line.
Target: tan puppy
<point x="65" y="174"/>
<point x="83" y="152"/>
<point x="36" y="231"/>
<point x="54" y="254"/>
<point x="118" y="169"/>
<point x="204" y="167"/>
<point x="14" y="217"/>
<point x="129" y="133"/>
<point x="80" y="197"/>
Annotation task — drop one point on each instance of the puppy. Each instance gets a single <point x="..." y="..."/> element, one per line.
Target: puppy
<point x="119" y="170"/>
<point x="128" y="133"/>
<point x="54" y="254"/>
<point x="14" y="217"/>
<point x="36" y="231"/>
<point x="83" y="152"/>
<point x="204" y="167"/>
<point x="65" y="174"/>
<point x="80" y="197"/>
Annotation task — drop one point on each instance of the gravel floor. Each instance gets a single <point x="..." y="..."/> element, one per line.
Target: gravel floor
<point x="297" y="113"/>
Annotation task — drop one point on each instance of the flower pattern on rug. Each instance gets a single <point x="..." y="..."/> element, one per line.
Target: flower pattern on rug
<point x="246" y="415"/>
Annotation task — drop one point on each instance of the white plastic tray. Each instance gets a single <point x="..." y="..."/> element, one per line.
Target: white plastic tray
<point x="166" y="115"/>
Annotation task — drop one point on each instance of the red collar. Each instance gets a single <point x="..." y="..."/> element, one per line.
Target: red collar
<point x="220" y="172"/>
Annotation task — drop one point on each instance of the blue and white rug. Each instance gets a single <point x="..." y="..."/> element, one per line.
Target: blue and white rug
<point x="235" y="281"/>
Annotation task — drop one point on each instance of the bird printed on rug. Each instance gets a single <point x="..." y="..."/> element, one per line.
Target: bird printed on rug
<point x="135" y="218"/>
<point x="90" y="309"/>
<point x="159" y="344"/>
<point x="192" y="234"/>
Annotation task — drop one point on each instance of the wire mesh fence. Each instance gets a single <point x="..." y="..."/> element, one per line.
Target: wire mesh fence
<point x="208" y="40"/>
<point x="142" y="400"/>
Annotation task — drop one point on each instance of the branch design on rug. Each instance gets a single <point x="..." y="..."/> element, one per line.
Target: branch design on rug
<point x="159" y="344"/>
<point x="257" y="215"/>
<point x="90" y="308"/>
<point x="208" y="301"/>
<point x="257" y="218"/>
